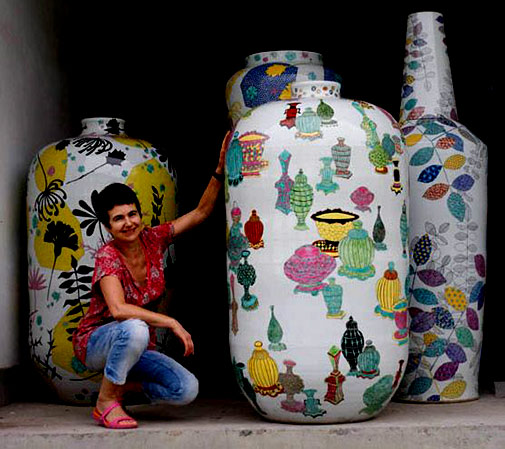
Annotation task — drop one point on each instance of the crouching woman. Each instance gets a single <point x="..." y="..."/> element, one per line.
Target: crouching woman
<point x="117" y="334"/>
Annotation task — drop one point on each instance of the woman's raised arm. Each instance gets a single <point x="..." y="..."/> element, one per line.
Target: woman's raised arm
<point x="208" y="199"/>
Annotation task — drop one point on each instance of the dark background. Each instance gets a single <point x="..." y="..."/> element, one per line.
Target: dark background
<point x="164" y="70"/>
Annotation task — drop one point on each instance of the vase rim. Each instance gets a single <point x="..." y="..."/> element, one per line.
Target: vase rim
<point x="102" y="125"/>
<point x="286" y="56"/>
<point x="315" y="89"/>
<point x="426" y="13"/>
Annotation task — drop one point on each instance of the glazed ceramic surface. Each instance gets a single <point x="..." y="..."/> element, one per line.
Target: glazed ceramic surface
<point x="64" y="235"/>
<point x="318" y="312"/>
<point x="268" y="77"/>
<point x="447" y="234"/>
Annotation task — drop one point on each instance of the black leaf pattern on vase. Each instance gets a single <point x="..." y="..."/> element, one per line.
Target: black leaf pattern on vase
<point x="92" y="145"/>
<point x="61" y="235"/>
<point x="51" y="198"/>
<point x="89" y="214"/>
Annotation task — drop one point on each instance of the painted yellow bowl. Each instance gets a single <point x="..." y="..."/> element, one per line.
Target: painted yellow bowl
<point x="334" y="224"/>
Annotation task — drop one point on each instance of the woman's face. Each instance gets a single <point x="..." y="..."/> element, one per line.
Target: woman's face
<point x="125" y="223"/>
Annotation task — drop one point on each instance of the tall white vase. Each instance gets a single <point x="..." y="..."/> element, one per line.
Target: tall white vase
<point x="317" y="260"/>
<point x="447" y="234"/>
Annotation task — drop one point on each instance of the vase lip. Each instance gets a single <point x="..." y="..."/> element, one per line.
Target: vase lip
<point x="432" y="13"/>
<point x="103" y="126"/>
<point x="315" y="89"/>
<point x="286" y="56"/>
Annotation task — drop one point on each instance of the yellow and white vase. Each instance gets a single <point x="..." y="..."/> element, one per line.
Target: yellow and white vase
<point x="64" y="235"/>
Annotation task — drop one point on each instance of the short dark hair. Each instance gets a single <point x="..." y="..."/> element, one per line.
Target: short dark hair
<point x="115" y="194"/>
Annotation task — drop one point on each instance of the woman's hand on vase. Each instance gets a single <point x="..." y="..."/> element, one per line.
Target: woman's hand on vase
<point x="222" y="154"/>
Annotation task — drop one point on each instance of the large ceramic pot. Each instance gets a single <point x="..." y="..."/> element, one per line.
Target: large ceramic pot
<point x="268" y="77"/>
<point x="64" y="235"/>
<point x="448" y="169"/>
<point x="318" y="264"/>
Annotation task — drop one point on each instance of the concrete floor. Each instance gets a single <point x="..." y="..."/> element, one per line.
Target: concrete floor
<point x="208" y="424"/>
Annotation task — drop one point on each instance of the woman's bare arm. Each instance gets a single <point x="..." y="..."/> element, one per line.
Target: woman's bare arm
<point x="208" y="199"/>
<point x="120" y="310"/>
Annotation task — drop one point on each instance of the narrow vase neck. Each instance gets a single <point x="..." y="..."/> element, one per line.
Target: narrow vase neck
<point x="284" y="56"/>
<point x="315" y="89"/>
<point x="427" y="72"/>
<point x="102" y="126"/>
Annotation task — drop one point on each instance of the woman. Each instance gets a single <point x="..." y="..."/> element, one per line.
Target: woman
<point x="117" y="335"/>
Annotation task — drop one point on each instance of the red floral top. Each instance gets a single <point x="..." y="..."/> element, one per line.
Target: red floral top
<point x="110" y="262"/>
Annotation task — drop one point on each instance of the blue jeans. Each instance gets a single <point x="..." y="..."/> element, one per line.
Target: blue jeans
<point x="119" y="349"/>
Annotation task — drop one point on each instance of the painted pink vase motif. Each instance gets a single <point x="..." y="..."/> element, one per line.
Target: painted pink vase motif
<point x="401" y="335"/>
<point x="309" y="267"/>
<point x="362" y="197"/>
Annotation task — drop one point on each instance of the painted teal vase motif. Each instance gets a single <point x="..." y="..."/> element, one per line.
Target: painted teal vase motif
<point x="234" y="161"/>
<point x="368" y="361"/>
<point x="246" y="276"/>
<point x="332" y="294"/>
<point x="327" y="172"/>
<point x="308" y="125"/>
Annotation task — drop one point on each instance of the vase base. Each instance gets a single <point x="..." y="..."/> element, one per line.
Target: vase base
<point x="357" y="273"/>
<point x="337" y="316"/>
<point x="277" y="347"/>
<point x="384" y="313"/>
<point x="250" y="303"/>
<point x="313" y="289"/>
<point x="327" y="188"/>
<point x="445" y="401"/>
<point x="309" y="136"/>
<point x="343" y="174"/>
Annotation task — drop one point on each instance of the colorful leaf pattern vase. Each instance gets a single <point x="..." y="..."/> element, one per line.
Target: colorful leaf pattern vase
<point x="64" y="234"/>
<point x="447" y="225"/>
<point x="268" y="76"/>
<point x="306" y="270"/>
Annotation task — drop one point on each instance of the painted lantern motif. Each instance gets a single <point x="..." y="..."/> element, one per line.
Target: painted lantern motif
<point x="319" y="261"/>
<point x="447" y="229"/>
<point x="64" y="235"/>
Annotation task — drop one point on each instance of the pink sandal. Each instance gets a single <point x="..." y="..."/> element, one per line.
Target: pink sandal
<point x="117" y="423"/>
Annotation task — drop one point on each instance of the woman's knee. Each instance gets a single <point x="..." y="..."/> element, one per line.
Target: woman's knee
<point x="135" y="334"/>
<point x="189" y="390"/>
<point x="181" y="389"/>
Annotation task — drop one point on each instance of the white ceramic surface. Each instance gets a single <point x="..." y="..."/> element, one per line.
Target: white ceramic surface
<point x="317" y="233"/>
